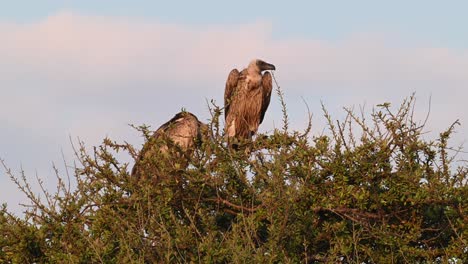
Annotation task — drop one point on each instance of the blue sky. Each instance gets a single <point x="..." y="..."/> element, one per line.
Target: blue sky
<point x="437" y="22"/>
<point x="89" y="68"/>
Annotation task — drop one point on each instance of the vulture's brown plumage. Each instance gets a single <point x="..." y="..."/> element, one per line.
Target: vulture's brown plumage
<point x="180" y="135"/>
<point x="246" y="99"/>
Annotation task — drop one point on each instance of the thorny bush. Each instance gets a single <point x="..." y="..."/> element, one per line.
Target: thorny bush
<point x="367" y="192"/>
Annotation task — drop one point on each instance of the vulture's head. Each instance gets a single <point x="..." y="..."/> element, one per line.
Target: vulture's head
<point x="259" y="66"/>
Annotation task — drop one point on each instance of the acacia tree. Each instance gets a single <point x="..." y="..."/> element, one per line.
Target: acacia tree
<point x="368" y="192"/>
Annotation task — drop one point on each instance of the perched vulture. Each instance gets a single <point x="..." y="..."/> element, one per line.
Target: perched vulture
<point x="182" y="133"/>
<point x="246" y="99"/>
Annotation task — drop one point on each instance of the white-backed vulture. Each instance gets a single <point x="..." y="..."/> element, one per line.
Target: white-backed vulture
<point x="183" y="132"/>
<point x="246" y="99"/>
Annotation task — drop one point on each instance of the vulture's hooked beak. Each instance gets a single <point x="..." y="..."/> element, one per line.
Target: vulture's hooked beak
<point x="264" y="66"/>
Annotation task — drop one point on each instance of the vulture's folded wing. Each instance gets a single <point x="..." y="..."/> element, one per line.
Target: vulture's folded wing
<point x="267" y="85"/>
<point x="231" y="85"/>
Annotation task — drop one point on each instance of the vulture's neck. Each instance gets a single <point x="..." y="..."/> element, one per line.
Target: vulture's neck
<point x="254" y="77"/>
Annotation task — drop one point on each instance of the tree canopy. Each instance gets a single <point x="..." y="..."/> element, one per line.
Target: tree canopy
<point x="370" y="190"/>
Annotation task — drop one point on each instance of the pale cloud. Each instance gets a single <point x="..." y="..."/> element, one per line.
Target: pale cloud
<point x="67" y="46"/>
<point x="112" y="49"/>
<point x="89" y="76"/>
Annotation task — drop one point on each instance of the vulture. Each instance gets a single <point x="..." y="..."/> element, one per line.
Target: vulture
<point x="183" y="132"/>
<point x="246" y="99"/>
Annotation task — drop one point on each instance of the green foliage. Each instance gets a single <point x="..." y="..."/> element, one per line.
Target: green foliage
<point x="370" y="192"/>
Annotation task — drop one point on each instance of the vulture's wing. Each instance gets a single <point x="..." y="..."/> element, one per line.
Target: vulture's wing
<point x="164" y="127"/>
<point x="231" y="85"/>
<point x="161" y="131"/>
<point x="267" y="85"/>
